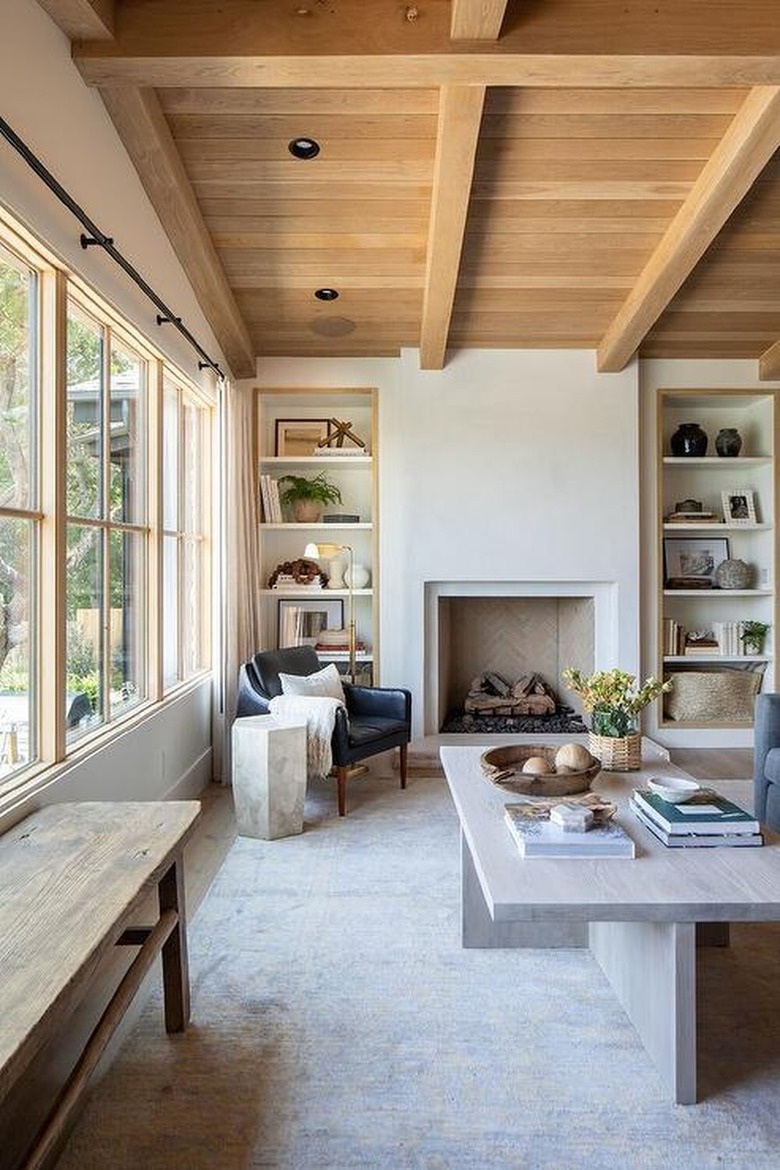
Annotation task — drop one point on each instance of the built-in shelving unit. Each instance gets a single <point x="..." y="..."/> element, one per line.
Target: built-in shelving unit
<point x="704" y="479"/>
<point x="286" y="540"/>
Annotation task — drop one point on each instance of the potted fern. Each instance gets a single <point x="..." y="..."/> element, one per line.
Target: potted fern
<point x="308" y="496"/>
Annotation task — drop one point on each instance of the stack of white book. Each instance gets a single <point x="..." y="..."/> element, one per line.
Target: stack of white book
<point x="287" y="582"/>
<point x="729" y="635"/>
<point x="540" y="837"/>
<point x="704" y="822"/>
<point x="269" y="498"/>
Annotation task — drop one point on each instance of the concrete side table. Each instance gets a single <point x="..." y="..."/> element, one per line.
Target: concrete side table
<point x="269" y="776"/>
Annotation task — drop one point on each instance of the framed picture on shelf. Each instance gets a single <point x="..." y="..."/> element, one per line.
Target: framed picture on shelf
<point x="300" y="436"/>
<point x="302" y="620"/>
<point x="739" y="506"/>
<point x="690" y="562"/>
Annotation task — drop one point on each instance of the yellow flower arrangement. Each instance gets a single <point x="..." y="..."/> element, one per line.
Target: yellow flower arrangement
<point x="613" y="698"/>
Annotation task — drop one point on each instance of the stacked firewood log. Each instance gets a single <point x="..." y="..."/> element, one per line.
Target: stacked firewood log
<point x="490" y="694"/>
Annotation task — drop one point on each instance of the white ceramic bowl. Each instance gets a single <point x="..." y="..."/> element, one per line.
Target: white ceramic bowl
<point x="675" y="789"/>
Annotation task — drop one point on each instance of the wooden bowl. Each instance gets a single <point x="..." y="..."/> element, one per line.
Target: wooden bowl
<point x="503" y="766"/>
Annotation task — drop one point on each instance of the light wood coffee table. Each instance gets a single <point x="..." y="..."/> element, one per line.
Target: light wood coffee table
<point x="638" y="917"/>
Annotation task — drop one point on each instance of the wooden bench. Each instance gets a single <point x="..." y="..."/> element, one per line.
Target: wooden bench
<point x="71" y="878"/>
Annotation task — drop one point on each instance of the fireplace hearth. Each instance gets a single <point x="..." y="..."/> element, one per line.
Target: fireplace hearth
<point x="528" y="706"/>
<point x="565" y="721"/>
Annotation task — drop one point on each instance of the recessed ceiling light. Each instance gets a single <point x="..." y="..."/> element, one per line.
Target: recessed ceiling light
<point x="326" y="294"/>
<point x="304" y="148"/>
<point x="332" y="326"/>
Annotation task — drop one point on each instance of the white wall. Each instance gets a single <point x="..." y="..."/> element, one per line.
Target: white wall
<point x="514" y="465"/>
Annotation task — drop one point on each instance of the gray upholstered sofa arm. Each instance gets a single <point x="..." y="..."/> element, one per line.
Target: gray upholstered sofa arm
<point x="766" y="760"/>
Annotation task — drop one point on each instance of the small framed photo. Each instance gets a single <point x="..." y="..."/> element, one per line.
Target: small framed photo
<point x="300" y="436"/>
<point x="302" y="620"/>
<point x="739" y="506"/>
<point x="690" y="562"/>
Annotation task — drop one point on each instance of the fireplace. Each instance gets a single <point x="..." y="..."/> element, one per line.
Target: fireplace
<point x="512" y="630"/>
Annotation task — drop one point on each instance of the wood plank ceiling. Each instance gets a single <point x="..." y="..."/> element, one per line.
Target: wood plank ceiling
<point x="543" y="173"/>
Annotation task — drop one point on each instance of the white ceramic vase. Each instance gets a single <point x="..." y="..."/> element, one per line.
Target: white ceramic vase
<point x="358" y="577"/>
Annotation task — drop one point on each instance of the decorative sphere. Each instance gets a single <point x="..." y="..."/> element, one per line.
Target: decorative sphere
<point x="538" y="766"/>
<point x="573" y="755"/>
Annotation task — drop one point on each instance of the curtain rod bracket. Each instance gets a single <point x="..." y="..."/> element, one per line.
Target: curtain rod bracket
<point x="168" y="320"/>
<point x="99" y="241"/>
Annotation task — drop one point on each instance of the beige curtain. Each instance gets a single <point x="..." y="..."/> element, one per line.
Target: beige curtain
<point x="241" y="553"/>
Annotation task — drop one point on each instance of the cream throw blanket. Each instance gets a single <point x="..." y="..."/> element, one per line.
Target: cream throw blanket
<point x="319" y="714"/>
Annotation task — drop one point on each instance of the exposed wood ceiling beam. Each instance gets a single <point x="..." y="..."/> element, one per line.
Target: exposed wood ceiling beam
<point x="747" y="146"/>
<point x="91" y="20"/>
<point x="769" y="363"/>
<point x="477" y="20"/>
<point x="460" y="114"/>
<point x="559" y="71"/>
<point x="144" y="131"/>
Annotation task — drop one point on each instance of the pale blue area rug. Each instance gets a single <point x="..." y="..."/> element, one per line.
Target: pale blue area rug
<point x="338" y="1023"/>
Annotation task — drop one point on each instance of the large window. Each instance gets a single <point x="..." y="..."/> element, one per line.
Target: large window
<point x="19" y="520"/>
<point x="106" y="524"/>
<point x="104" y="516"/>
<point x="186" y="546"/>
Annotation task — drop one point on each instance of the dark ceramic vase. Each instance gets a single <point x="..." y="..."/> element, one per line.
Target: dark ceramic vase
<point x="728" y="442"/>
<point x="689" y="439"/>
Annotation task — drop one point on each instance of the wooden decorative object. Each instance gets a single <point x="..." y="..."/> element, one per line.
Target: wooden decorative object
<point x="504" y="766"/>
<point x="299" y="572"/>
<point x="616" y="753"/>
<point x="338" y="432"/>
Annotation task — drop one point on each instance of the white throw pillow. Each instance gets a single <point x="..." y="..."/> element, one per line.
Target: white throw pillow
<point x="325" y="683"/>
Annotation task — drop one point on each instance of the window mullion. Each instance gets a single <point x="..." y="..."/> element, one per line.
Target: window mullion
<point x="50" y="589"/>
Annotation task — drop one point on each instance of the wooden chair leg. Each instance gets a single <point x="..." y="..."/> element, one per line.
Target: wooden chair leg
<point x="341" y="790"/>
<point x="402" y="750"/>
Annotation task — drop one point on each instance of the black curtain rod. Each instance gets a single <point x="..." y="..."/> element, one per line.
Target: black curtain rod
<point x="99" y="239"/>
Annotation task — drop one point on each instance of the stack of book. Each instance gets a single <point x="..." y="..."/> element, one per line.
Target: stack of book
<point x="729" y="635"/>
<point x="537" y="836"/>
<point x="703" y="822"/>
<point x="696" y="644"/>
<point x="269" y="498"/>
<point x="692" y="518"/>
<point x="288" y="582"/>
<point x="674" y="637"/>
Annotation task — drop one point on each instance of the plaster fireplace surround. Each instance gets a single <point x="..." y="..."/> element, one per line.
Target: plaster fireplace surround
<point x="513" y="628"/>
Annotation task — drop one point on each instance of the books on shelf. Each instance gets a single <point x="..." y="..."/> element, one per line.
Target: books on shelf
<point x="288" y="583"/>
<point x="706" y="813"/>
<point x="269" y="498"/>
<point x="537" y="837"/>
<point x="692" y="518"/>
<point x="694" y="840"/>
<point x="724" y="639"/>
<point x="695" y="646"/>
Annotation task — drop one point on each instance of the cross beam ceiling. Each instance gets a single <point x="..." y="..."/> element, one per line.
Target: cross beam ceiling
<point x="144" y="131"/>
<point x="477" y="19"/>
<point x="747" y="146"/>
<point x="460" y="114"/>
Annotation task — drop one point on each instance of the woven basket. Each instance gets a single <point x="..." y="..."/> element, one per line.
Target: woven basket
<point x="616" y="753"/>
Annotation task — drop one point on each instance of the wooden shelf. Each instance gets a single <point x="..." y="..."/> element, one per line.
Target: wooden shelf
<point x="710" y="461"/>
<point x="718" y="593"/>
<point x="340" y="461"/>
<point x="295" y="526"/>
<point x="717" y="527"/>
<point x="316" y="593"/>
<point x="701" y="658"/>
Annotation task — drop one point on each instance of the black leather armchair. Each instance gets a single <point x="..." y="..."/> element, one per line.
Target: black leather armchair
<point x="375" y="719"/>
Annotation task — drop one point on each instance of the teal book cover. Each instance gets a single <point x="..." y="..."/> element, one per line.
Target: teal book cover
<point x="706" y="813"/>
